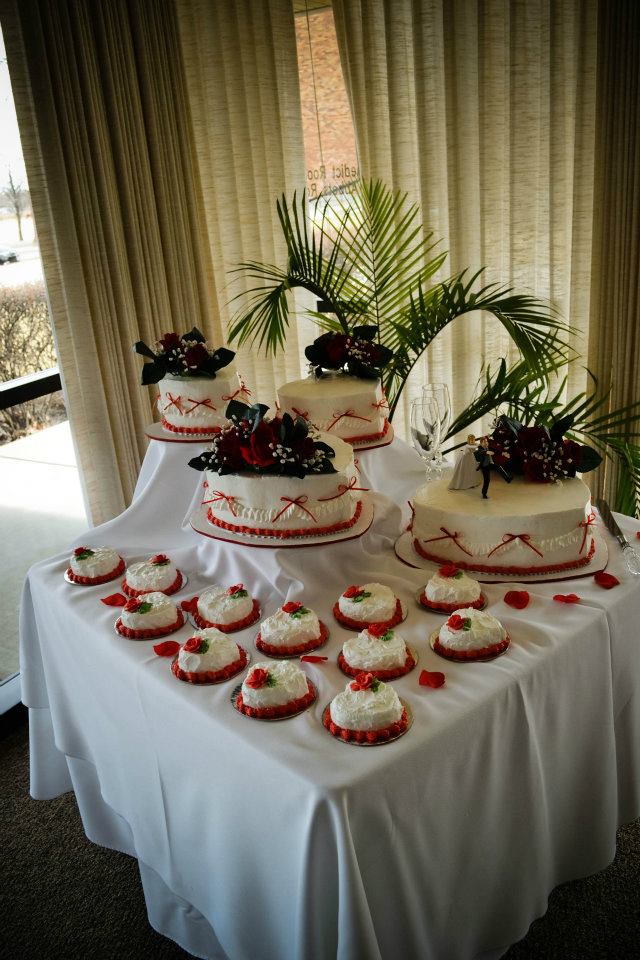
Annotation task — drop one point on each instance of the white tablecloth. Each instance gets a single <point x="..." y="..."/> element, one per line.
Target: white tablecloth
<point x="273" y="840"/>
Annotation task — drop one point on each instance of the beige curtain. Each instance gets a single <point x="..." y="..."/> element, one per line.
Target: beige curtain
<point x="614" y="336"/>
<point x="484" y="113"/>
<point x="244" y="97"/>
<point x="108" y="150"/>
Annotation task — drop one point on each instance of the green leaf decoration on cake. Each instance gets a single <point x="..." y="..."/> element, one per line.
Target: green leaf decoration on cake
<point x="84" y="554"/>
<point x="361" y="596"/>
<point x="303" y="611"/>
<point x="375" y="685"/>
<point x="467" y="623"/>
<point x="271" y="681"/>
<point x="144" y="607"/>
<point x="389" y="635"/>
<point x="204" y="645"/>
<point x="238" y="594"/>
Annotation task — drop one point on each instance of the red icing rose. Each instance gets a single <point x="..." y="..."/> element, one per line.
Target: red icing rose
<point x="606" y="580"/>
<point x="449" y="570"/>
<point x="352" y="591"/>
<point x="566" y="598"/>
<point x="257" y="678"/>
<point x="159" y="559"/>
<point x="455" y="622"/>
<point x="79" y="550"/>
<point x="192" y="645"/>
<point x="517" y="598"/>
<point x="133" y="605"/>
<point x="363" y="681"/>
<point x="431" y="678"/>
<point x="292" y="607"/>
<point x="170" y="341"/>
<point x="377" y="629"/>
<point x="235" y="589"/>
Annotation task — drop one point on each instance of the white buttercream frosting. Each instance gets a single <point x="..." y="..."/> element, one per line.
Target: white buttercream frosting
<point x="221" y="652"/>
<point x="485" y="630"/>
<point x="284" y="630"/>
<point x="290" y="684"/>
<point x="345" y="406"/>
<point x="377" y="608"/>
<point x="103" y="561"/>
<point x="364" y="709"/>
<point x="199" y="402"/>
<point x="216" y="606"/>
<point x="163" y="612"/>
<point x="150" y="576"/>
<point x="366" y="652"/>
<point x="459" y="589"/>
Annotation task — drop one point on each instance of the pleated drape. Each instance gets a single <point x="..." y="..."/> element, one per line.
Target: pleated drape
<point x="484" y="113"/>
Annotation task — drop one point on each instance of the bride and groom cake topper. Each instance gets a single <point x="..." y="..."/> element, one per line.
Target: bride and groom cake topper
<point x="476" y="457"/>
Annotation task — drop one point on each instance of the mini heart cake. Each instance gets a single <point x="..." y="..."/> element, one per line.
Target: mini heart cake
<point x="360" y="606"/>
<point x="226" y="608"/>
<point x="366" y="711"/>
<point x="449" y="589"/>
<point x="208" y="656"/>
<point x="149" y="616"/>
<point x="290" y="631"/>
<point x="272" y="691"/>
<point x="156" y="573"/>
<point x="470" y="634"/>
<point x="93" y="565"/>
<point x="377" y="650"/>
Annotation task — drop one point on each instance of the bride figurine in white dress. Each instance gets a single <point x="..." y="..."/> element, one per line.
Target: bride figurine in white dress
<point x="465" y="473"/>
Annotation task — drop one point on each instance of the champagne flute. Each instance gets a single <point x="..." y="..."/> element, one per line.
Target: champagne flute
<point x="425" y="432"/>
<point x="440" y="392"/>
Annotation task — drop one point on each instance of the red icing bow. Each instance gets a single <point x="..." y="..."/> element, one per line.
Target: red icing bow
<point x="377" y="629"/>
<point x="517" y="598"/>
<point x="192" y="645"/>
<point x="365" y="681"/>
<point x="292" y="607"/>
<point x="257" y="678"/>
<point x="160" y="559"/>
<point x="449" y="570"/>
<point x="352" y="591"/>
<point x="606" y="580"/>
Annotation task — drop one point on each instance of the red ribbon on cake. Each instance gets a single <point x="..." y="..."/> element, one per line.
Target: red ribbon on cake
<point x="218" y="496"/>
<point x="586" y="523"/>
<point x="510" y="537"/>
<point x="301" y="413"/>
<point x="241" y="389"/>
<point x="450" y="536"/>
<point x="174" y="402"/>
<point x="347" y="413"/>
<point x="200" y="403"/>
<point x="381" y="403"/>
<point x="413" y="516"/>
<point x="297" y="502"/>
<point x="342" y="489"/>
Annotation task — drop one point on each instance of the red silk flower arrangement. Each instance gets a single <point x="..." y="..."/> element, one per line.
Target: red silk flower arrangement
<point x="182" y="356"/>
<point x="357" y="352"/>
<point x="540" y="453"/>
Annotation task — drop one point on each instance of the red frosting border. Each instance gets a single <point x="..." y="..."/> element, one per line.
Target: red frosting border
<point x="409" y="664"/>
<point x="173" y="588"/>
<point x="188" y="430"/>
<point x="281" y="711"/>
<point x="366" y="437"/>
<point x="211" y="676"/>
<point x="149" y="634"/>
<point x="362" y="736"/>
<point x="286" y="534"/>
<point x="296" y="648"/>
<point x="397" y="618"/>
<point x="94" y="581"/>
<point x="440" y="605"/>
<point x="250" y="618"/>
<point x="494" y="568"/>
<point x="493" y="650"/>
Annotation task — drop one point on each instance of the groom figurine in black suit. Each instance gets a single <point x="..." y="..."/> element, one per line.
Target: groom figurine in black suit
<point x="485" y="463"/>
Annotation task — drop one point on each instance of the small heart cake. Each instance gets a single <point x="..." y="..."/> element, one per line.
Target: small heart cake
<point x="470" y="634"/>
<point x="208" y="656"/>
<point x="377" y="650"/>
<point x="156" y="573"/>
<point x="290" y="631"/>
<point x="449" y="589"/>
<point x="367" y="711"/>
<point x="360" y="606"/>
<point x="226" y="608"/>
<point x="93" y="565"/>
<point x="152" y="615"/>
<point x="272" y="691"/>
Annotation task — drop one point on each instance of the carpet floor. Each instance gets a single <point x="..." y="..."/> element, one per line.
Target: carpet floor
<point x="64" y="898"/>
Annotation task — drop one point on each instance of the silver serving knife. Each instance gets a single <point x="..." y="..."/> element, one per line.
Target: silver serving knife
<point x="631" y="556"/>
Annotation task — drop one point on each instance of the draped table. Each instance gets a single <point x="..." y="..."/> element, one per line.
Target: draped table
<point x="274" y="840"/>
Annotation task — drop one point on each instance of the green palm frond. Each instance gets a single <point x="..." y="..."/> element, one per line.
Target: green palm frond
<point x="627" y="495"/>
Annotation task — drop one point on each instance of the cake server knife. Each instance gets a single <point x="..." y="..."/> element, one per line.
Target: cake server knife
<point x="631" y="556"/>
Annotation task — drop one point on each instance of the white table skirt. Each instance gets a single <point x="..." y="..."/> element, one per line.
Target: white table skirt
<point x="273" y="839"/>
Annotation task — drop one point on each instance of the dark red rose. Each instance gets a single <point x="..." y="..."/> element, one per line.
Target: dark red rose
<point x="352" y="591"/>
<point x="517" y="598"/>
<point x="160" y="559"/>
<point x="334" y="346"/>
<point x="363" y="681"/>
<point x="377" y="629"/>
<point x="169" y="342"/>
<point x="196" y="355"/>
<point x="566" y="598"/>
<point x="192" y="645"/>
<point x="606" y="580"/>
<point x="257" y="678"/>
<point x="431" y="678"/>
<point x="258" y="452"/>
<point x="455" y="622"/>
<point x="532" y="439"/>
<point x="292" y="607"/>
<point x="449" y="570"/>
<point x="133" y="605"/>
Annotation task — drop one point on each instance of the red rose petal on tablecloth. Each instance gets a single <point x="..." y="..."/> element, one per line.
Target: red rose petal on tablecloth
<point x="168" y="648"/>
<point x="115" y="600"/>
<point x="190" y="606"/>
<point x="638" y="534"/>
<point x="431" y="678"/>
<point x="606" y="580"/>
<point x="566" y="598"/>
<point x="308" y="658"/>
<point x="517" y="598"/>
